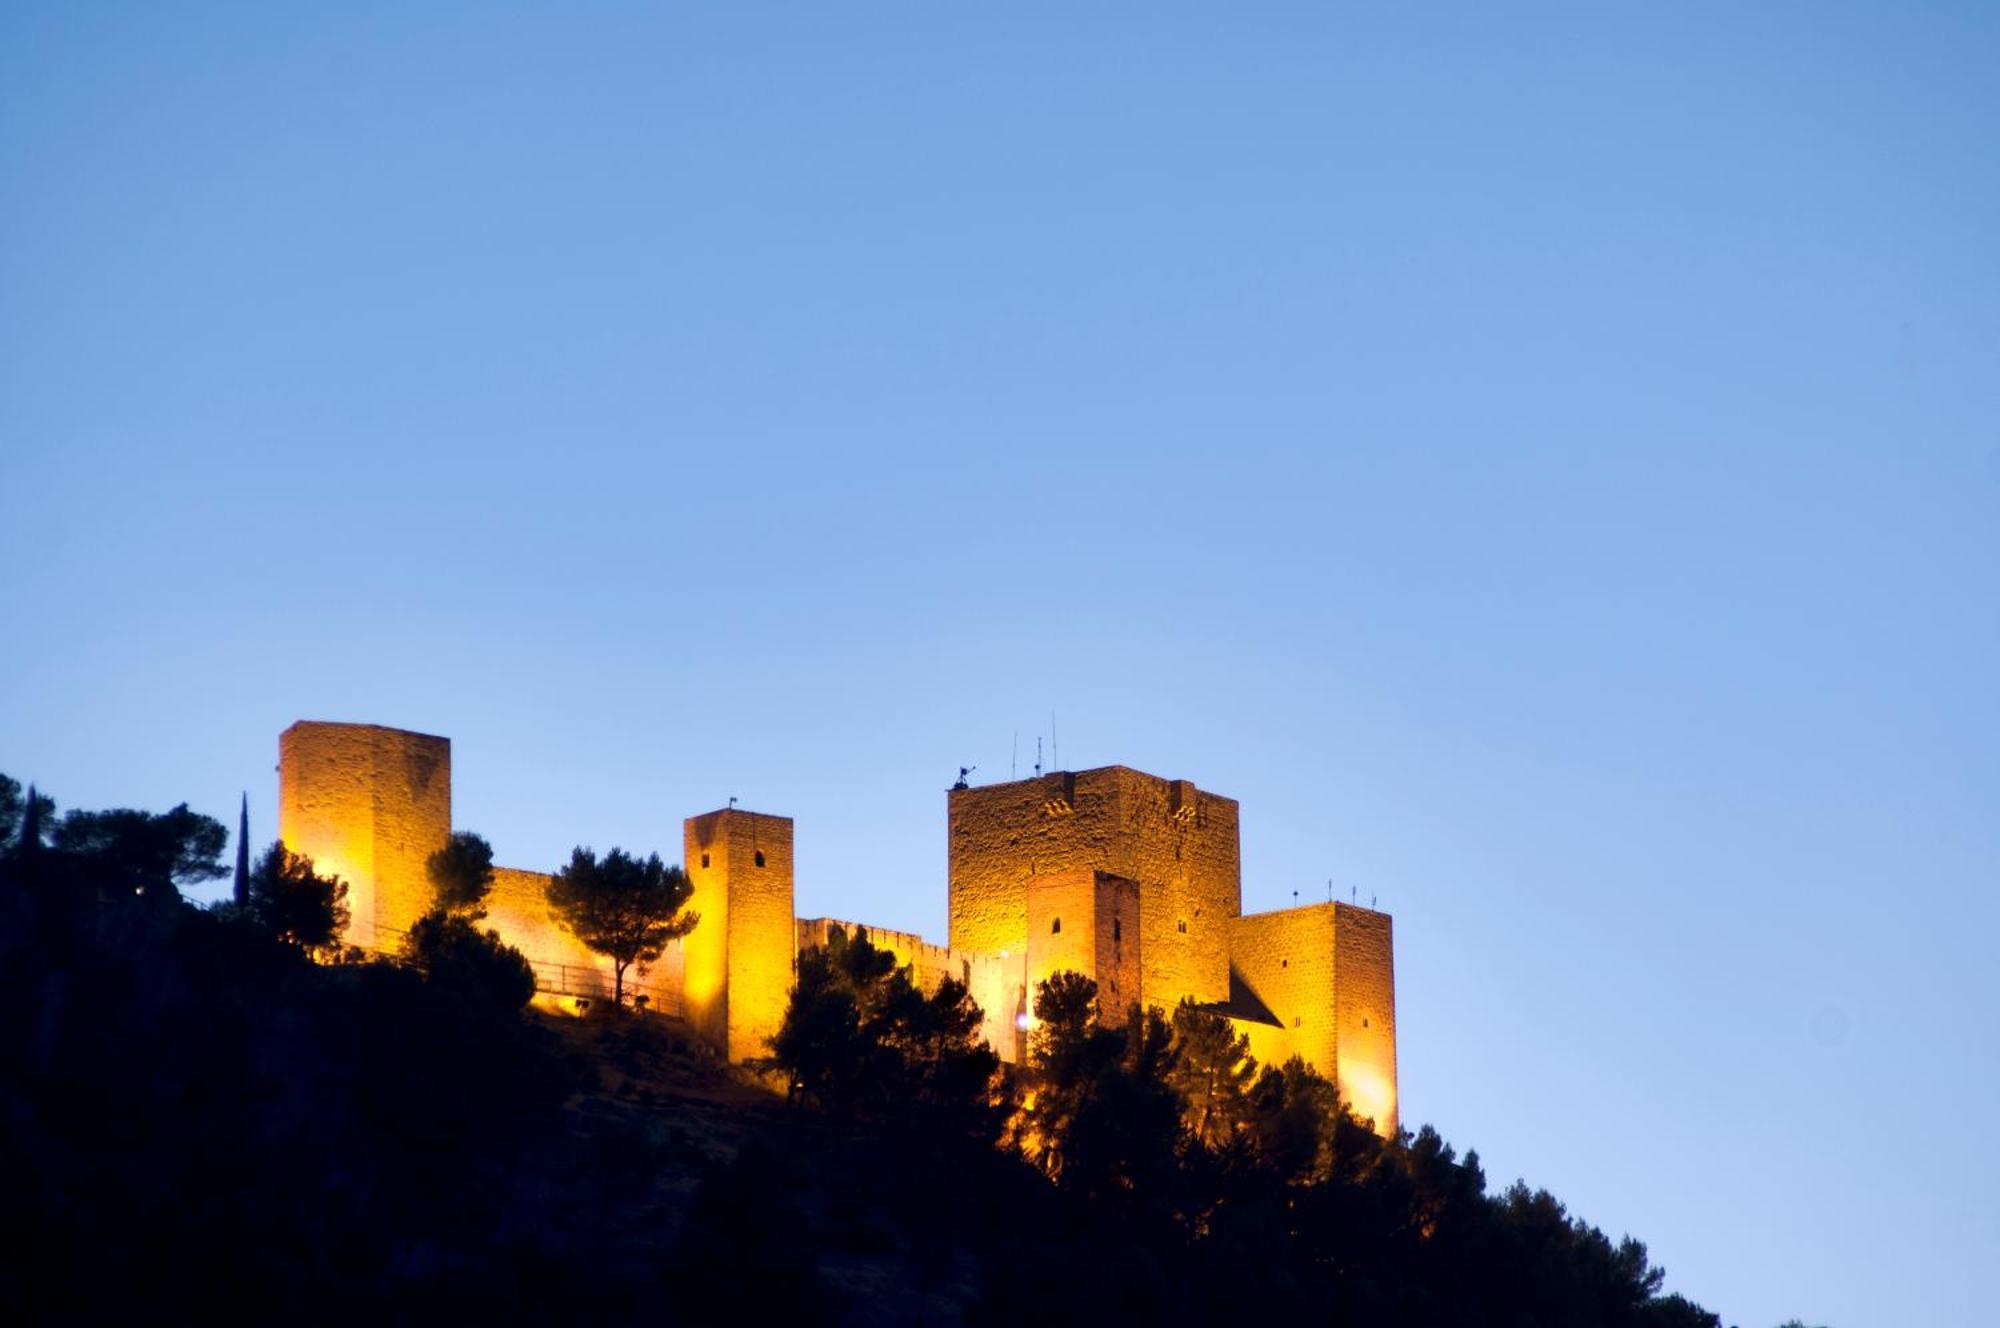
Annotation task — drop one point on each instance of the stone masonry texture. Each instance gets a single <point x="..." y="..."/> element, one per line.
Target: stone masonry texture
<point x="371" y="805"/>
<point x="1177" y="842"/>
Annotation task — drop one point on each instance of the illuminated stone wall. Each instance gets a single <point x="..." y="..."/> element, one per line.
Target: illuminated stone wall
<point x="1365" y="1013"/>
<point x="518" y="908"/>
<point x="1087" y="922"/>
<point x="928" y="964"/>
<point x="1284" y="968"/>
<point x="1143" y="873"/>
<point x="1319" y="982"/>
<point x="369" y="804"/>
<point x="1177" y="842"/>
<point x="738" y="962"/>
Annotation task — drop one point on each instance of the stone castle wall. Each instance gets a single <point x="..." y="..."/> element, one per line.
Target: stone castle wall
<point x="518" y="908"/>
<point x="1284" y="965"/>
<point x="1142" y="873"/>
<point x="1365" y="1013"/>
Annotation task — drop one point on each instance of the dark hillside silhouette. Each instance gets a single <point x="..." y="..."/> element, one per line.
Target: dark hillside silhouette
<point x="206" y="1124"/>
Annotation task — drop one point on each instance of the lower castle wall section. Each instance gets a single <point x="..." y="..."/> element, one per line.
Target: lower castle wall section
<point x="928" y="964"/>
<point x="1087" y="922"/>
<point x="1285" y="962"/>
<point x="996" y="983"/>
<point x="1326" y="975"/>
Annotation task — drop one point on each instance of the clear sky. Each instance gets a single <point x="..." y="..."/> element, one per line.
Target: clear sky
<point x="1544" y="462"/>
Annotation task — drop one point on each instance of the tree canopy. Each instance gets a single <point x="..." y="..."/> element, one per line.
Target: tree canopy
<point x="461" y="874"/>
<point x="454" y="952"/>
<point x="623" y="907"/>
<point x="860" y="1036"/>
<point x="14" y="812"/>
<point x="294" y="902"/>
<point x="155" y="851"/>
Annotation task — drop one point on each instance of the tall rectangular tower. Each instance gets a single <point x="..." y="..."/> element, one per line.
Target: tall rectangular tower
<point x="370" y="805"/>
<point x="1179" y="843"/>
<point x="738" y="962"/>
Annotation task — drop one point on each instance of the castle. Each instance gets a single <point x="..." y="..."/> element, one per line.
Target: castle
<point x="1127" y="878"/>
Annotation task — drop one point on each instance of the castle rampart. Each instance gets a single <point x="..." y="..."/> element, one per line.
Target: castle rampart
<point x="1130" y="879"/>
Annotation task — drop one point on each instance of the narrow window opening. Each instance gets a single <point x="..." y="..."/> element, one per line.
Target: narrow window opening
<point x="1284" y="963"/>
<point x="1055" y="926"/>
<point x="1183" y="926"/>
<point x="704" y="859"/>
<point x="760" y="857"/>
<point x="1117" y="930"/>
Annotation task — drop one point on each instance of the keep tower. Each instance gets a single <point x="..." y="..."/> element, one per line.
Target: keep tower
<point x="739" y="960"/>
<point x="1178" y="843"/>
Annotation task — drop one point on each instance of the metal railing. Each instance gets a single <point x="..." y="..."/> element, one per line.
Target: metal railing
<point x="578" y="981"/>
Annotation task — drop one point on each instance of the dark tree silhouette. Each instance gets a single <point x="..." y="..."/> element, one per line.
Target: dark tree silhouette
<point x="1212" y="1071"/>
<point x="240" y="894"/>
<point x="202" y="1120"/>
<point x="819" y="1046"/>
<point x="453" y="952"/>
<point x="295" y="903"/>
<point x="1289" y="1115"/>
<point x="860" y="1036"/>
<point x="24" y="817"/>
<point x="1103" y="1121"/>
<point x="10" y="809"/>
<point x="461" y="873"/>
<point x="154" y="852"/>
<point x="623" y="908"/>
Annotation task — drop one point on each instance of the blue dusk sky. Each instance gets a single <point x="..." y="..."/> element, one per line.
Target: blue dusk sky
<point x="1543" y="461"/>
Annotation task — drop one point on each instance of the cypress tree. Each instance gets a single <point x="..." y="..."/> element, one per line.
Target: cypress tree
<point x="243" y="855"/>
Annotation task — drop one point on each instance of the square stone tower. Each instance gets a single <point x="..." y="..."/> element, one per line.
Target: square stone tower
<point x="1178" y="843"/>
<point x="1087" y="922"/>
<point x="1319" y="981"/>
<point x="370" y="805"/>
<point x="738" y="962"/>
